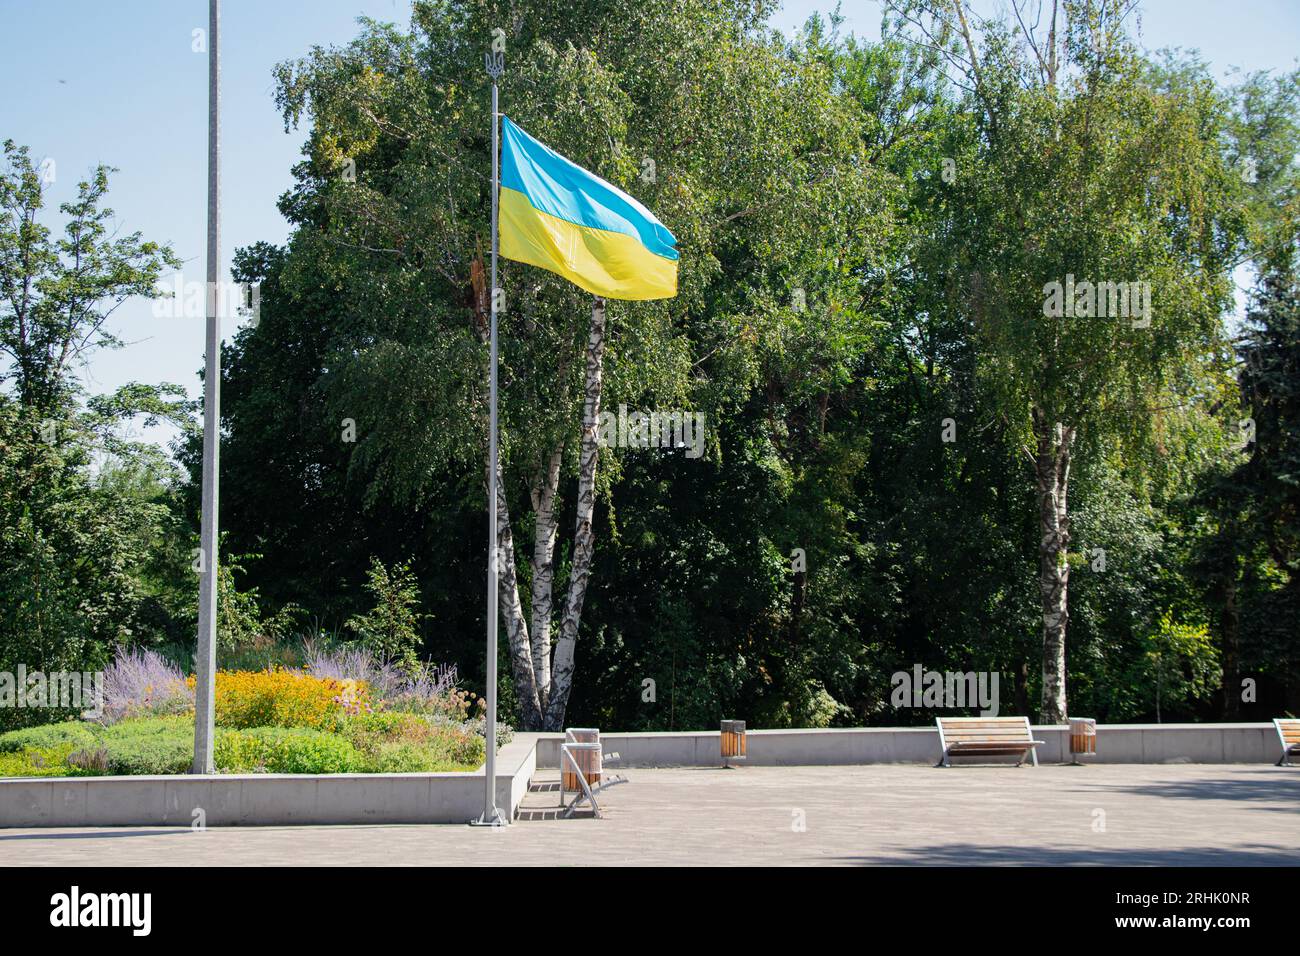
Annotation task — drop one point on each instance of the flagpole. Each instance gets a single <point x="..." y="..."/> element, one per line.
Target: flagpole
<point x="495" y="63"/>
<point x="206" y="658"/>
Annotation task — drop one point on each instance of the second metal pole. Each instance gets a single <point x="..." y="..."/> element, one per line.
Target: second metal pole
<point x="205" y="660"/>
<point x="491" y="815"/>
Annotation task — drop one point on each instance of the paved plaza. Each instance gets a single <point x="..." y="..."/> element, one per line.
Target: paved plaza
<point x="1160" y="815"/>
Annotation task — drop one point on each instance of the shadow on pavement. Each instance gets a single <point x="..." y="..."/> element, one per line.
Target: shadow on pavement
<point x="89" y="834"/>
<point x="974" y="855"/>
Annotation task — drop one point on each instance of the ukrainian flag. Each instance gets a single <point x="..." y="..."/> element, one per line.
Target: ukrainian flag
<point x="556" y="215"/>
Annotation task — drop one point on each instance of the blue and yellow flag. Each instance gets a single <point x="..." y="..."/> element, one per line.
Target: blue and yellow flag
<point x="556" y="215"/>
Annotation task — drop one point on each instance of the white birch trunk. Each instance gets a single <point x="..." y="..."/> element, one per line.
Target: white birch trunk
<point x="521" y="658"/>
<point x="546" y="526"/>
<point x="1052" y="477"/>
<point x="583" y="535"/>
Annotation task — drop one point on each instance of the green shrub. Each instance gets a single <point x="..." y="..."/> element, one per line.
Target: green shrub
<point x="410" y="758"/>
<point x="76" y="732"/>
<point x="405" y="742"/>
<point x="163" y="726"/>
<point x="144" y="745"/>
<point x="391" y="629"/>
<point x="284" y="750"/>
<point x="367" y="731"/>
<point x="38" y="762"/>
<point x="150" y="745"/>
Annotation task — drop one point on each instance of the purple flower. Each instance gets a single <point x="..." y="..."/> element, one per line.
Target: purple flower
<point x="427" y="689"/>
<point x="143" y="682"/>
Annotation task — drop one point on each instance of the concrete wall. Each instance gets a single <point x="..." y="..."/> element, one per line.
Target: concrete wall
<point x="1116" y="743"/>
<point x="277" y="799"/>
<point x="267" y="799"/>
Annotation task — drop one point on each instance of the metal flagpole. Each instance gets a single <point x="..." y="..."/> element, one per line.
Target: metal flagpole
<point x="206" y="658"/>
<point x="495" y="63"/>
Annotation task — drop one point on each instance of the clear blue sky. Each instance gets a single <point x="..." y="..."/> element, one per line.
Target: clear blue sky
<point x="87" y="82"/>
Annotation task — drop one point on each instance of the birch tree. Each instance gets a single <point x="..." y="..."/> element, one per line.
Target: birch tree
<point x="1098" y="223"/>
<point x="691" y="107"/>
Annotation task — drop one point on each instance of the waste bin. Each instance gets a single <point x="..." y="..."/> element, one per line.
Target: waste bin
<point x="1083" y="737"/>
<point x="586" y="754"/>
<point x="733" y="741"/>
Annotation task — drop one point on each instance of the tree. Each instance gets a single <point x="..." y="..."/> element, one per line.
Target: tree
<point x="769" y="154"/>
<point x="1251" y="561"/>
<point x="1099" y="223"/>
<point x="1178" y="663"/>
<point x="80" y="506"/>
<point x="390" y="628"/>
<point x="1270" y="385"/>
<point x="69" y="549"/>
<point x="56" y="296"/>
<point x="1246" y="555"/>
<point x="867" y="235"/>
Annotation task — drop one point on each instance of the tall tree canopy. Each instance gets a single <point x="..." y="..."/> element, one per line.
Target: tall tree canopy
<point x="736" y="141"/>
<point x="955" y="307"/>
<point x="1098" y="219"/>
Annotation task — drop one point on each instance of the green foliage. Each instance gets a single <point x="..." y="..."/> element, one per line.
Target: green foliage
<point x="409" y="758"/>
<point x="71" y="546"/>
<point x="38" y="762"/>
<point x="840" y="299"/>
<point x="1270" y="386"/>
<point x="283" y="750"/>
<point x="389" y="630"/>
<point x="74" y="732"/>
<point x="77" y="566"/>
<point x="1245" y="554"/>
<point x="58" y="293"/>
<point x="241" y="622"/>
<point x="149" y="745"/>
<point x="1179" y="664"/>
<point x="402" y="742"/>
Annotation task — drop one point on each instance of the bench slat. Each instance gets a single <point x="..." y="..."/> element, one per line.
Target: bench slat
<point x="991" y="743"/>
<point x="1000" y="732"/>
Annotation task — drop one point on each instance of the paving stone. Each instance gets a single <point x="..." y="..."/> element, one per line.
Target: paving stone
<point x="1158" y="815"/>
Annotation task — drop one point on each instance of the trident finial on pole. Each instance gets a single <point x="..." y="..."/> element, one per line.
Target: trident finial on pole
<point x="494" y="61"/>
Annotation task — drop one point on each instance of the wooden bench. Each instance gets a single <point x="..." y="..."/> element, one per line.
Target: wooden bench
<point x="986" y="737"/>
<point x="1288" y="731"/>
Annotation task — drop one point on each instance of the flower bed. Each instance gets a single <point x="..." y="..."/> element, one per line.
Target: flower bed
<point x="344" y="713"/>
